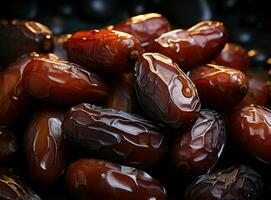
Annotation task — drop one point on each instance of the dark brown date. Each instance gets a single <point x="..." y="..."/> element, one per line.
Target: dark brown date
<point x="197" y="45"/>
<point x="234" y="183"/>
<point x="106" y="51"/>
<point x="233" y="55"/>
<point x="164" y="91"/>
<point x="12" y="187"/>
<point x="97" y="179"/>
<point x="19" y="37"/>
<point x="8" y="146"/>
<point x="59" y="49"/>
<point x="114" y="135"/>
<point x="250" y="128"/>
<point x="218" y="86"/>
<point x="62" y="82"/>
<point x="45" y="146"/>
<point x="197" y="151"/>
<point x="145" y="27"/>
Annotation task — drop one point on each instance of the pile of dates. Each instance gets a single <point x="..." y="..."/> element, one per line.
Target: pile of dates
<point x="133" y="111"/>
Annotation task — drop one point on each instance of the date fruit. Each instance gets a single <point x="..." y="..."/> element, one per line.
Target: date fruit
<point x="8" y="145"/>
<point x="45" y="146"/>
<point x="97" y="179"/>
<point x="197" y="151"/>
<point x="18" y="37"/>
<point x="234" y="56"/>
<point x="145" y="27"/>
<point x="104" y="51"/>
<point x="12" y="187"/>
<point x="218" y="86"/>
<point x="115" y="135"/>
<point x="62" y="82"/>
<point x="234" y="183"/>
<point x="197" y="45"/>
<point x="250" y="128"/>
<point x="164" y="91"/>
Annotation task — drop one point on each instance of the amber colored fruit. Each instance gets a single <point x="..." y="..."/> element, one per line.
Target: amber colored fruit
<point x="197" y="45"/>
<point x="12" y="187"/>
<point x="250" y="128"/>
<point x="197" y="151"/>
<point x="234" y="183"/>
<point x="62" y="82"/>
<point x="45" y="147"/>
<point x="97" y="179"/>
<point x="115" y="135"/>
<point x="59" y="49"/>
<point x="165" y="92"/>
<point x="105" y="51"/>
<point x="18" y="37"/>
<point x="8" y="145"/>
<point x="233" y="55"/>
<point x="218" y="86"/>
<point x="145" y="27"/>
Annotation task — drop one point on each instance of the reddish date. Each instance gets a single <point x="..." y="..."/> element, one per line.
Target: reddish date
<point x="12" y="187"/>
<point x="197" y="150"/>
<point x="19" y="37"/>
<point x="164" y="91"/>
<point x="234" y="56"/>
<point x="218" y="86"/>
<point x="250" y="128"/>
<point x="197" y="45"/>
<point x="105" y="51"/>
<point x="144" y="27"/>
<point x="45" y="147"/>
<point x="114" y="135"/>
<point x="237" y="182"/>
<point x="62" y="82"/>
<point x="8" y="146"/>
<point x="59" y="49"/>
<point x="97" y="179"/>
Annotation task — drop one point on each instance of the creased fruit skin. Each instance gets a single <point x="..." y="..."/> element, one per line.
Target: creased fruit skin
<point x="197" y="45"/>
<point x="97" y="179"/>
<point x="62" y="82"/>
<point x="104" y="51"/>
<point x="218" y="86"/>
<point x="233" y="55"/>
<point x="234" y="183"/>
<point x="145" y="27"/>
<point x="164" y="91"/>
<point x="12" y="187"/>
<point x="250" y="128"/>
<point x="197" y="150"/>
<point x="8" y="145"/>
<point x="114" y="135"/>
<point x="45" y="147"/>
<point x="18" y="37"/>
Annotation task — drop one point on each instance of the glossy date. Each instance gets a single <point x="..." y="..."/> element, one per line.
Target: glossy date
<point x="164" y="91"/>
<point x="115" y="135"/>
<point x="97" y="179"/>
<point x="104" y="51"/>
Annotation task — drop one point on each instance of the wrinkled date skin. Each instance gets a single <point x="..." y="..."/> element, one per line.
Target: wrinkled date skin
<point x="144" y="27"/>
<point x="250" y="128"/>
<point x="115" y="135"/>
<point x="62" y="82"/>
<point x="104" y="51"/>
<point x="12" y="187"/>
<point x="164" y="91"/>
<point x="218" y="86"/>
<point x="45" y="147"/>
<point x="19" y="37"/>
<point x="197" y="150"/>
<point x="234" y="183"/>
<point x="97" y="179"/>
<point x="191" y="47"/>
<point x="234" y="56"/>
<point x="8" y="145"/>
<point x="59" y="49"/>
